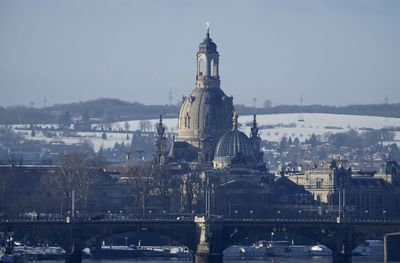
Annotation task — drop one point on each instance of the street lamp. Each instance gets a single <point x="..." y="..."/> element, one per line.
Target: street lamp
<point x="68" y="218"/>
<point x="9" y="244"/>
<point x="150" y="213"/>
<point x="126" y="241"/>
<point x="236" y="214"/>
<point x="384" y="214"/>
<point x="366" y="214"/>
<point x="279" y="213"/>
<point x="109" y="214"/>
<point x="300" y="213"/>
<point x="272" y="236"/>
<point x="251" y="213"/>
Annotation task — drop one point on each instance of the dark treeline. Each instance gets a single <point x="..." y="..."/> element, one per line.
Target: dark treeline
<point x="22" y="114"/>
<point x="104" y="110"/>
<point x="115" y="109"/>
<point x="109" y="110"/>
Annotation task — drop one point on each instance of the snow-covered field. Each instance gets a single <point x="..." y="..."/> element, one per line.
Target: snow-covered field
<point x="317" y="123"/>
<point x="92" y="138"/>
<point x="283" y="125"/>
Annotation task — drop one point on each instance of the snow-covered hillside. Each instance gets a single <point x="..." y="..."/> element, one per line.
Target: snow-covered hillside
<point x="273" y="127"/>
<point x="288" y="124"/>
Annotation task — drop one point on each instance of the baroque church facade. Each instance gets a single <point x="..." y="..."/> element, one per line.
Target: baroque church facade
<point x="209" y="144"/>
<point x="208" y="133"/>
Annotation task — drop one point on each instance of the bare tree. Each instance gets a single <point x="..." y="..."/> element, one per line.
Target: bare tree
<point x="145" y="125"/>
<point x="141" y="185"/>
<point x="192" y="189"/>
<point x="74" y="176"/>
<point x="163" y="185"/>
<point x="127" y="126"/>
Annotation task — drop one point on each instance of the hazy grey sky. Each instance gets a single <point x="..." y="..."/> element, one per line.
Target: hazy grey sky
<point x="334" y="52"/>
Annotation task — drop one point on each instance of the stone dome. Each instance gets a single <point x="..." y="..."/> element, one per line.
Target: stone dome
<point x="234" y="148"/>
<point x="205" y="114"/>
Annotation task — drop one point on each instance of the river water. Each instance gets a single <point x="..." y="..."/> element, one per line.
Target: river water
<point x="263" y="260"/>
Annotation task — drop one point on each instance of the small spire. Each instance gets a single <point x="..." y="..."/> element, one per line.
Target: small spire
<point x="235" y="120"/>
<point x="160" y="128"/>
<point x="254" y="128"/>
<point x="208" y="29"/>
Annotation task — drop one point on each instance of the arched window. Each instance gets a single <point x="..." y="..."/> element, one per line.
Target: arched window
<point x="208" y="120"/>
<point x="202" y="67"/>
<point x="187" y="121"/>
<point x="318" y="183"/>
<point x="214" y="68"/>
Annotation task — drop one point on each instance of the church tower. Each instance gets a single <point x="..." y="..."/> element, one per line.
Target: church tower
<point x="160" y="145"/>
<point x="206" y="113"/>
<point x="256" y="141"/>
<point x="207" y="64"/>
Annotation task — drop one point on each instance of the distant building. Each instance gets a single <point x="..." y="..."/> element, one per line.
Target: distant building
<point x="358" y="193"/>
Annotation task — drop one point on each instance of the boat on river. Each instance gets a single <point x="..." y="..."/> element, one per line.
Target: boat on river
<point x="31" y="253"/>
<point x="369" y="248"/>
<point x="9" y="255"/>
<point x="133" y="251"/>
<point x="284" y="248"/>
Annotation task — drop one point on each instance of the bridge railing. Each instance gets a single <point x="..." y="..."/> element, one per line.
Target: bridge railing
<point x="251" y="217"/>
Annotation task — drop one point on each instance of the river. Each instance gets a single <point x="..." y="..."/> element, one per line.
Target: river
<point x="264" y="260"/>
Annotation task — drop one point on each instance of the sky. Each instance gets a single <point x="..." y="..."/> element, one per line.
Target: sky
<point x="332" y="52"/>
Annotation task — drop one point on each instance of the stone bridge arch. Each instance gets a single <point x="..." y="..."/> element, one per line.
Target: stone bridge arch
<point x="184" y="233"/>
<point x="207" y="237"/>
<point x="341" y="238"/>
<point x="323" y="234"/>
<point x="372" y="230"/>
<point x="75" y="236"/>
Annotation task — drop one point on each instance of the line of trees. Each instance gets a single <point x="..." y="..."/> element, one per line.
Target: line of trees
<point x="77" y="180"/>
<point x="154" y="187"/>
<point x="109" y="110"/>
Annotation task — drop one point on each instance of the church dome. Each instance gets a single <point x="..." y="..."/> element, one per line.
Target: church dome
<point x="205" y="113"/>
<point x="234" y="148"/>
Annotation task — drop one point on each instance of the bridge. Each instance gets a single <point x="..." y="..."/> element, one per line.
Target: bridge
<point x="207" y="237"/>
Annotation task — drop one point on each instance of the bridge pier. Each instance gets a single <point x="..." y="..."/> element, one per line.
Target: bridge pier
<point x="75" y="257"/>
<point x="73" y="246"/>
<point x="73" y="253"/>
<point x="209" y="241"/>
<point x="343" y="247"/>
<point x="341" y="258"/>
<point x="391" y="247"/>
<point x="208" y="258"/>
